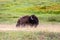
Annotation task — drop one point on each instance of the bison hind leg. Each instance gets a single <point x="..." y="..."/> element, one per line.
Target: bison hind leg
<point x="34" y="26"/>
<point x="17" y="25"/>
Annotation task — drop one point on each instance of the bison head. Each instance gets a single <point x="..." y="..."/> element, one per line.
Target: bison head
<point x="33" y="20"/>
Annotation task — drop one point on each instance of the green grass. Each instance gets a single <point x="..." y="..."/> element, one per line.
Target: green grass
<point x="45" y="10"/>
<point x="10" y="17"/>
<point x="24" y="35"/>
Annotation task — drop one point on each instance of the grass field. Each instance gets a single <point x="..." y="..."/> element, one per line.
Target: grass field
<point x="25" y="35"/>
<point x="45" y="10"/>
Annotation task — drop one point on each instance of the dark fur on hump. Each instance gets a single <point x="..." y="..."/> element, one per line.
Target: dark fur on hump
<point x="22" y="21"/>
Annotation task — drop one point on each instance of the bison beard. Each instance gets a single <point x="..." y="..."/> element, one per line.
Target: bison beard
<point x="28" y="20"/>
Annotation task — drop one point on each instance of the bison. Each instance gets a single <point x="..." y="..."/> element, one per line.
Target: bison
<point x="28" y="20"/>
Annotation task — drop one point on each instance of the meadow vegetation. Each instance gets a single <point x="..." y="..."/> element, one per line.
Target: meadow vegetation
<point x="26" y="35"/>
<point x="45" y="10"/>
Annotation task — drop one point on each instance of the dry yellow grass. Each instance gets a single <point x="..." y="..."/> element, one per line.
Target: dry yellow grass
<point x="54" y="7"/>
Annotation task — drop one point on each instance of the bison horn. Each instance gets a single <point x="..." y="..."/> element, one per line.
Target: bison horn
<point x="31" y="18"/>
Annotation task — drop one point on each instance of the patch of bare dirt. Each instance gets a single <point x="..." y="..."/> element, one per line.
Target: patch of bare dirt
<point x="41" y="27"/>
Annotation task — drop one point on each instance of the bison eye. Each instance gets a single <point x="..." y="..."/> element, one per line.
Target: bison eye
<point x="31" y="18"/>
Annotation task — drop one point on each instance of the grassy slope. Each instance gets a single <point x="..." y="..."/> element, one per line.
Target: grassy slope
<point x="10" y="11"/>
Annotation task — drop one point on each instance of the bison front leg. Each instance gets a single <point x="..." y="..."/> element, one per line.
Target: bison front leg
<point x="35" y="26"/>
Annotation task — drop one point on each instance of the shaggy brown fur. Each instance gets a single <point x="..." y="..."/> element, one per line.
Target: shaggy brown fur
<point x="28" y="20"/>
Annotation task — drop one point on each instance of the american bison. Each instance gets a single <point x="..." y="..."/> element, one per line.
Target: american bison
<point x="28" y="20"/>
